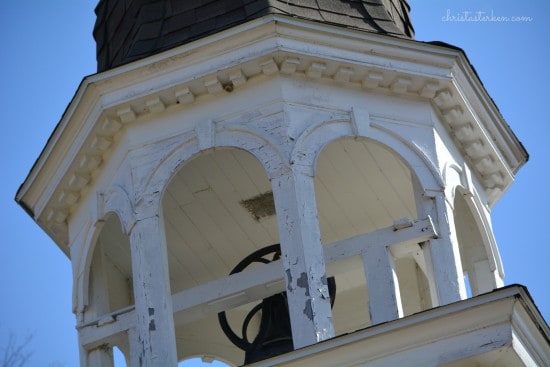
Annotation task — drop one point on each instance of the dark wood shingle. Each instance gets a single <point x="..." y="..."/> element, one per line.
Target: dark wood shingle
<point x="127" y="30"/>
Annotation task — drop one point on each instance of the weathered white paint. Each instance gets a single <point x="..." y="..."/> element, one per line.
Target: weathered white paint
<point x="303" y="260"/>
<point x="225" y="137"/>
<point x="364" y="51"/>
<point x="155" y="343"/>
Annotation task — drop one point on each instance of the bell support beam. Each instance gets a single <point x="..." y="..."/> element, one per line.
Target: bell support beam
<point x="377" y="250"/>
<point x="94" y="334"/>
<point x="260" y="282"/>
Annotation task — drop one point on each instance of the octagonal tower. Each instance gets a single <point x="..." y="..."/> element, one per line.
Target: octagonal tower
<point x="216" y="128"/>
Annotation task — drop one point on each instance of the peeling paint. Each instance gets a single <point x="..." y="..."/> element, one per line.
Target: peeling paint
<point x="152" y="326"/>
<point x="151" y="311"/>
<point x="289" y="280"/>
<point x="308" y="310"/>
<point x="302" y="282"/>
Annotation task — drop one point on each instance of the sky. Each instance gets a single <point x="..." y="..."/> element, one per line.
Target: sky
<point x="47" y="48"/>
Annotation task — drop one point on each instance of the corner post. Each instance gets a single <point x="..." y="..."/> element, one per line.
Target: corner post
<point x="156" y="343"/>
<point x="442" y="254"/>
<point x="302" y="258"/>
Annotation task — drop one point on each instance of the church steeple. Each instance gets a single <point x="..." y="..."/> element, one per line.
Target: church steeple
<point x="129" y="30"/>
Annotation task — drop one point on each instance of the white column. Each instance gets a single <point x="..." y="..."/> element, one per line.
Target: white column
<point x="384" y="295"/>
<point x="155" y="344"/>
<point x="303" y="259"/>
<point x="443" y="261"/>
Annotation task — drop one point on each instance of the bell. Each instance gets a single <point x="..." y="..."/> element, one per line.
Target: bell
<point x="274" y="336"/>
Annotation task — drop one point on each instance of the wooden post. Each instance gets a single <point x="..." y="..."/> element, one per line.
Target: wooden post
<point x="303" y="259"/>
<point x="384" y="296"/>
<point x="443" y="256"/>
<point x="156" y="344"/>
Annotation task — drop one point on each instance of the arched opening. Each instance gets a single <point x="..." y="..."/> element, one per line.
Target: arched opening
<point x="110" y="288"/>
<point x="110" y="278"/>
<point x="478" y="262"/>
<point x="217" y="208"/>
<point x="362" y="186"/>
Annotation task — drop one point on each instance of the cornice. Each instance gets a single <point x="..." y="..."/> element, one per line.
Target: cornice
<point x="105" y="104"/>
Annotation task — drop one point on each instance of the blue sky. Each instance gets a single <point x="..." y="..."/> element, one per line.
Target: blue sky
<point x="47" y="48"/>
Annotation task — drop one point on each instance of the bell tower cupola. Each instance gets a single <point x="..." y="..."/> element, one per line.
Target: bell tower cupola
<point x="283" y="183"/>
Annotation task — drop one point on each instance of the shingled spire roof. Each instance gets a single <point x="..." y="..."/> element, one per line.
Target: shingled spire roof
<point x="133" y="29"/>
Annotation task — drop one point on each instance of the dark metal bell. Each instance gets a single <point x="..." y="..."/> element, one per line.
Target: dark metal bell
<point x="275" y="334"/>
